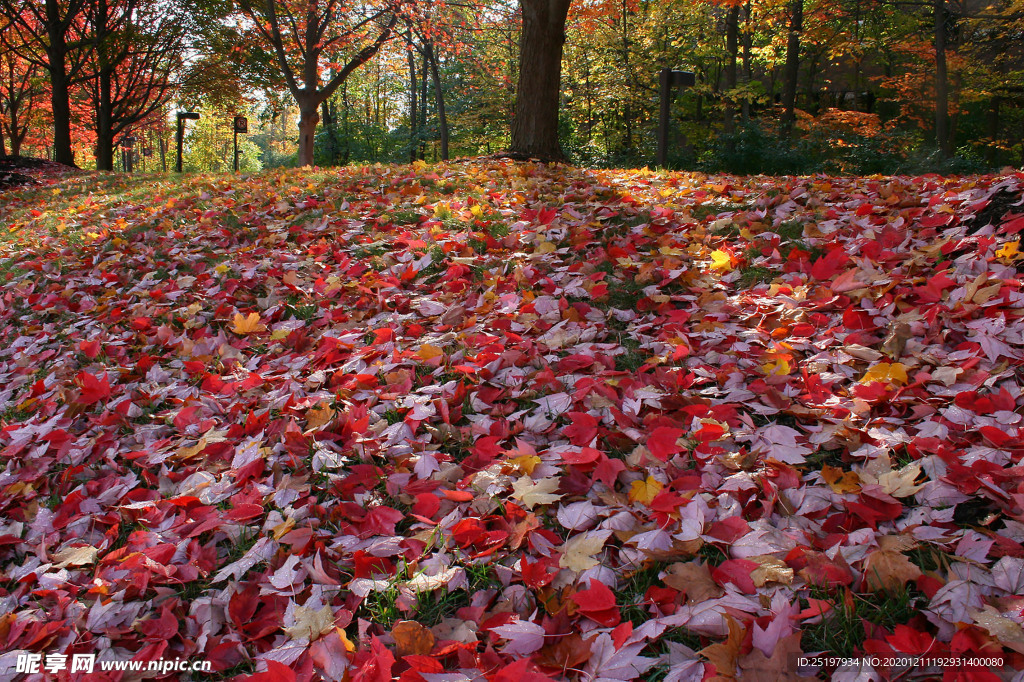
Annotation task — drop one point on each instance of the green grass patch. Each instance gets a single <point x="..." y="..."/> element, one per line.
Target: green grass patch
<point x="841" y="632"/>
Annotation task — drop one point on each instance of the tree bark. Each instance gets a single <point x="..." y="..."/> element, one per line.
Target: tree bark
<point x="747" y="68"/>
<point x="535" y="123"/>
<point x="792" y="72"/>
<point x="442" y="116"/>
<point x="732" y="29"/>
<point x="413" y="116"/>
<point x="309" y="116"/>
<point x="941" y="81"/>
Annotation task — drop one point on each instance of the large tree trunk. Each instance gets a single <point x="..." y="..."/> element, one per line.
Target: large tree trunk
<point x="732" y="30"/>
<point x="792" y="73"/>
<point x="309" y="116"/>
<point x="442" y="117"/>
<point x="104" y="125"/>
<point x="413" y="116"/>
<point x="747" y="68"/>
<point x="3" y="145"/>
<point x="535" y="124"/>
<point x="942" y="136"/>
<point x="60" y="102"/>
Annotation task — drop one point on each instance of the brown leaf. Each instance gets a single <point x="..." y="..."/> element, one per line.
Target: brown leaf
<point x="889" y="570"/>
<point x="564" y="653"/>
<point x="840" y="481"/>
<point x="756" y="667"/>
<point x="318" y="416"/>
<point x="896" y="341"/>
<point x="723" y="655"/>
<point x="412" y="639"/>
<point x="694" y="580"/>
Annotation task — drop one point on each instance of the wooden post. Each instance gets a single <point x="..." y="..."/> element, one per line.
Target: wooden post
<point x="182" y="115"/>
<point x="241" y="125"/>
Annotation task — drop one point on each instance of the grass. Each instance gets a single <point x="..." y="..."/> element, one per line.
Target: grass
<point x="751" y="276"/>
<point x="841" y="632"/>
<point x="631" y="596"/>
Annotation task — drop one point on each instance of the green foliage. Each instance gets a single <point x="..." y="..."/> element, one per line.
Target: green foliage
<point x="209" y="145"/>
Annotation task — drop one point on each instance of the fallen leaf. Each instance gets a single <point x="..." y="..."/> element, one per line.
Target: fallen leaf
<point x="412" y="639"/>
<point x="694" y="580"/>
<point x="247" y="324"/>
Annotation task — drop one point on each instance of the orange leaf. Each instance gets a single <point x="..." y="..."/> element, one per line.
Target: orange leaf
<point x="247" y="324"/>
<point x="412" y="639"/>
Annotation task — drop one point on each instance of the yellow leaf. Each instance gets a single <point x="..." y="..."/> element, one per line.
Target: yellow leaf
<point x="525" y="463"/>
<point x="1010" y="251"/>
<point x="222" y="268"/>
<point x="442" y="210"/>
<point x="419" y="164"/>
<point x="887" y="373"/>
<point x="780" y="367"/>
<point x="282" y="529"/>
<point x="578" y="552"/>
<point x="247" y="324"/>
<point x="546" y="247"/>
<point x="428" y="352"/>
<point x="476" y="210"/>
<point x="720" y="260"/>
<point x="771" y="569"/>
<point x="645" y="491"/>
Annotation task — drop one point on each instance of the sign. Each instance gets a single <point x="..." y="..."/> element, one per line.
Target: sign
<point x="241" y="124"/>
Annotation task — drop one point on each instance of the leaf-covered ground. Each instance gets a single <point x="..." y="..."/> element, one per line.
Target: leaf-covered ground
<point x="509" y="422"/>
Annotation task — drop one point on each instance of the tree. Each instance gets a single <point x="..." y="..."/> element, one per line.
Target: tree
<point x="20" y="88"/>
<point x="535" y="123"/>
<point x="792" y="69"/>
<point x="48" y="34"/>
<point x="306" y="36"/>
<point x="137" y="50"/>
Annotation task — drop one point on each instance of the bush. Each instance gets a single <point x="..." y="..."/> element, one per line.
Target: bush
<point x="752" y="151"/>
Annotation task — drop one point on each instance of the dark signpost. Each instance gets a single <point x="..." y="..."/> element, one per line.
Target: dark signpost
<point x="669" y="78"/>
<point x="182" y="116"/>
<point x="241" y="126"/>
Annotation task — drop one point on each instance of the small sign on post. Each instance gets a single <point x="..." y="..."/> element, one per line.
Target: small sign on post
<point x="182" y="117"/>
<point x="667" y="79"/>
<point x="241" y="126"/>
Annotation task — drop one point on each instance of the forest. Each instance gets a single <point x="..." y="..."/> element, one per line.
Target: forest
<point x="795" y="86"/>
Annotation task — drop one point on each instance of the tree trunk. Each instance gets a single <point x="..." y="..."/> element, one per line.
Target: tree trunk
<point x="992" y="129"/>
<point x="732" y="29"/>
<point x="747" y="68"/>
<point x="104" y="125"/>
<point x="309" y="116"/>
<point x="3" y="145"/>
<point x="423" y="109"/>
<point x="442" y="117"/>
<point x="60" y="102"/>
<point x="413" y="117"/>
<point x="792" y="68"/>
<point x="535" y="124"/>
<point x="942" y="138"/>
